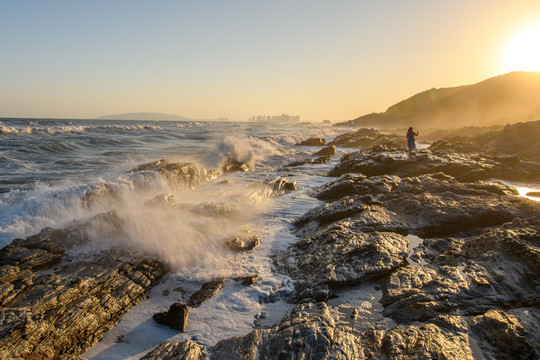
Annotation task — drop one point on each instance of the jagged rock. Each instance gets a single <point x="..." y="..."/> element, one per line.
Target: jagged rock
<point x="248" y="280"/>
<point x="65" y="310"/>
<point x="431" y="205"/>
<point x="382" y="160"/>
<point x="186" y="350"/>
<point x="350" y="184"/>
<point x="366" y="138"/>
<point x="340" y="256"/>
<point x="241" y="243"/>
<point x="320" y="160"/>
<point x="469" y="276"/>
<point x="311" y="332"/>
<point x="365" y="215"/>
<point x="326" y="151"/>
<point x="185" y="174"/>
<point x="234" y="165"/>
<point x="215" y="210"/>
<point x="281" y="186"/>
<point x="206" y="292"/>
<point x="388" y="161"/>
<point x="502" y="334"/>
<point x="175" y="318"/>
<point x="312" y="142"/>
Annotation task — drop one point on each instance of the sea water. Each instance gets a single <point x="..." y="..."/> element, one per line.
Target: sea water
<point x="48" y="165"/>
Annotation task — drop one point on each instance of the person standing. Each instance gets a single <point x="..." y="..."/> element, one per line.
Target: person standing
<point x="411" y="136"/>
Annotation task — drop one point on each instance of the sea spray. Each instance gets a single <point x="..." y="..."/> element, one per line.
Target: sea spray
<point x="239" y="148"/>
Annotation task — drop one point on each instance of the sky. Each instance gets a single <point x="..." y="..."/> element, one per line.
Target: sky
<point x="205" y="59"/>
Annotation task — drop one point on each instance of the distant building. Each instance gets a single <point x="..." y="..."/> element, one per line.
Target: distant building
<point x="276" y="119"/>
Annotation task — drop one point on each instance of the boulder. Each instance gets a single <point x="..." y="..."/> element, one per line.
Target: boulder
<point x="244" y="243"/>
<point x="326" y="151"/>
<point x="312" y="142"/>
<point x="175" y="318"/>
<point x="233" y="165"/>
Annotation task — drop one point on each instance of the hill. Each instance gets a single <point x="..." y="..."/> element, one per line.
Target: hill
<point x="500" y="100"/>
<point x="143" y="116"/>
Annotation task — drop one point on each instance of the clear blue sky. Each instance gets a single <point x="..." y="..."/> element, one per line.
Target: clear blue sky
<point x="204" y="59"/>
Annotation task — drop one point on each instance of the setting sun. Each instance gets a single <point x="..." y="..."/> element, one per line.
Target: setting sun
<point x="523" y="52"/>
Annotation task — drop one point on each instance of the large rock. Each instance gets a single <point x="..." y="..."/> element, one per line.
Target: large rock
<point x="312" y="331"/>
<point x="429" y="205"/>
<point x="175" y="318"/>
<point x="182" y="174"/>
<point x="382" y="160"/>
<point x="340" y="256"/>
<point x="470" y="275"/>
<point x="312" y="142"/>
<point x="367" y="138"/>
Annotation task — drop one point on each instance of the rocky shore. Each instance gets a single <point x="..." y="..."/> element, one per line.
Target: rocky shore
<point x="449" y="256"/>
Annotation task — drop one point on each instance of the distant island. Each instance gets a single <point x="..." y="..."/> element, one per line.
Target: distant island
<point x="144" y="116"/>
<point x="500" y="100"/>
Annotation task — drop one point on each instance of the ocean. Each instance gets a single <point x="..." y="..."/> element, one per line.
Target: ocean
<point x="49" y="166"/>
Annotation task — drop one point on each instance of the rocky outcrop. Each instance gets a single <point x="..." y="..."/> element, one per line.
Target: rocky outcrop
<point x="314" y="331"/>
<point x="54" y="305"/>
<point x="326" y="151"/>
<point x="244" y="243"/>
<point x="185" y="174"/>
<point x="367" y="138"/>
<point x="464" y="167"/>
<point x="338" y="257"/>
<point x="312" y="142"/>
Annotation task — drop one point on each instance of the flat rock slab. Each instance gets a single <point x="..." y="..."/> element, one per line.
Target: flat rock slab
<point x="206" y="292"/>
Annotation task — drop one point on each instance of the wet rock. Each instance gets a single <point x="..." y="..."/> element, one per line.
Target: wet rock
<point x="175" y="318"/>
<point x="281" y="186"/>
<point x="186" y="350"/>
<point x="48" y="314"/>
<point x="248" y="280"/>
<point x="502" y="334"/>
<point x="206" y="292"/>
<point x="311" y="331"/>
<point x="234" y="165"/>
<point x="469" y="276"/>
<point x="215" y="210"/>
<point x="365" y="215"/>
<point x="340" y="256"/>
<point x="431" y="205"/>
<point x="326" y="151"/>
<point x="184" y="174"/>
<point x="320" y="160"/>
<point x="245" y="243"/>
<point x="312" y="142"/>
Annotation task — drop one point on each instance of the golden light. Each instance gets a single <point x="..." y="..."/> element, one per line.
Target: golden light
<point x="523" y="52"/>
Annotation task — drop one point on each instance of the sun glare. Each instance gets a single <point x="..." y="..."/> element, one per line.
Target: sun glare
<point x="523" y="52"/>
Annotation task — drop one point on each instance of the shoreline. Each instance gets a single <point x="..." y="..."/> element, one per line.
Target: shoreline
<point x="452" y="297"/>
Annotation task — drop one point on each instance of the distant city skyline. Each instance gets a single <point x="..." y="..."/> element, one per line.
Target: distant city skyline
<point x="207" y="60"/>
